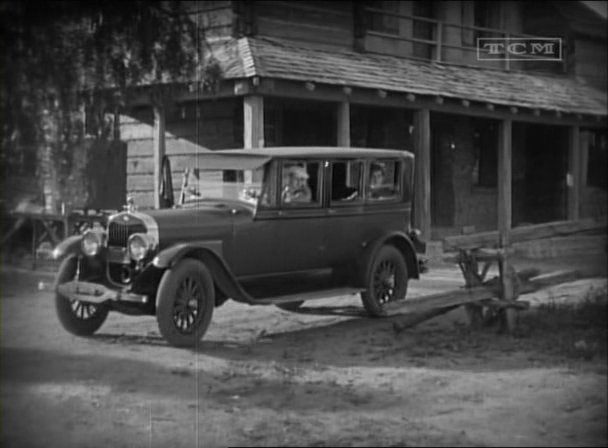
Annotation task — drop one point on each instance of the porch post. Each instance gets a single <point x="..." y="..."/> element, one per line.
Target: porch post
<point x="158" y="151"/>
<point x="253" y="123"/>
<point x="343" y="123"/>
<point x="422" y="176"/>
<point x="504" y="181"/>
<point x="574" y="173"/>
<point x="507" y="273"/>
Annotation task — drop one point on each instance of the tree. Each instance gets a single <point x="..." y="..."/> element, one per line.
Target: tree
<point x="60" y="57"/>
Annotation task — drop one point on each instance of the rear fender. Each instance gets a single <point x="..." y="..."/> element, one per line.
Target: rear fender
<point x="397" y="239"/>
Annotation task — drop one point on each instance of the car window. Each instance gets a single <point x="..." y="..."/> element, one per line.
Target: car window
<point x="383" y="180"/>
<point x="346" y="177"/>
<point x="300" y="186"/>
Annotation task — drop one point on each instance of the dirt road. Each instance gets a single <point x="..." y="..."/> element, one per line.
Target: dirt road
<point x="263" y="376"/>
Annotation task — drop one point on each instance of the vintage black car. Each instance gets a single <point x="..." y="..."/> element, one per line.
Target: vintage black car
<point x="260" y="226"/>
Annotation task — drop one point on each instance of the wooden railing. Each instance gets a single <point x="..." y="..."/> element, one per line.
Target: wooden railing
<point x="440" y="41"/>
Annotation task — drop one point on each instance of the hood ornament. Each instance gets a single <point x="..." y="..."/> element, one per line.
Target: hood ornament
<point x="130" y="207"/>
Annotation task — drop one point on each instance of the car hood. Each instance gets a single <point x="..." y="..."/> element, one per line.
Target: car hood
<point x="203" y="221"/>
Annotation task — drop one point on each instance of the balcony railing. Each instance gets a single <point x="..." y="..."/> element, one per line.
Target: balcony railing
<point x="430" y="39"/>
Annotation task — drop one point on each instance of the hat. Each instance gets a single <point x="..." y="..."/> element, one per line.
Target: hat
<point x="299" y="172"/>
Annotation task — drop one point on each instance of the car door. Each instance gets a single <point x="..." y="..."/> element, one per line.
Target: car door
<point x="345" y="199"/>
<point x="286" y="234"/>
<point x="357" y="220"/>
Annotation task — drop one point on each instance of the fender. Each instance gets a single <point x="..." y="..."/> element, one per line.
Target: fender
<point x="71" y="245"/>
<point x="210" y="253"/>
<point x="402" y="242"/>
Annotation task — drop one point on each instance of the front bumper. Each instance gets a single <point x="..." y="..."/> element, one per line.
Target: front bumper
<point x="96" y="293"/>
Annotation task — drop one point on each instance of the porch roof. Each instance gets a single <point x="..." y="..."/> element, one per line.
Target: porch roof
<point x="282" y="59"/>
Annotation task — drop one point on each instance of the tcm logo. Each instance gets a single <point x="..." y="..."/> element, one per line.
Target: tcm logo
<point x="519" y="49"/>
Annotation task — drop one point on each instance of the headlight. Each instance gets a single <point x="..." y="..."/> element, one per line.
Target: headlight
<point x="91" y="242"/>
<point x="139" y="246"/>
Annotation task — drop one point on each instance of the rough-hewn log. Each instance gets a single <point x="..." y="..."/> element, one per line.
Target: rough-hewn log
<point x="442" y="300"/>
<point x="525" y="233"/>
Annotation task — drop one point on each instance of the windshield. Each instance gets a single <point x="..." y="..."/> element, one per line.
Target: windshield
<point x="234" y="185"/>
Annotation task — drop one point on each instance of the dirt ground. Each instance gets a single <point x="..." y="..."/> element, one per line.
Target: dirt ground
<point x="267" y="377"/>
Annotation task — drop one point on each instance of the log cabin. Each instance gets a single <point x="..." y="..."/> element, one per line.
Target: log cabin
<point x="514" y="136"/>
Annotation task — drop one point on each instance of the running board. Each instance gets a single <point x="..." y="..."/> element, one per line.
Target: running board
<point x="305" y="296"/>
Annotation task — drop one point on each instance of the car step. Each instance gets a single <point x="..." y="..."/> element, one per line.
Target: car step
<point x="322" y="294"/>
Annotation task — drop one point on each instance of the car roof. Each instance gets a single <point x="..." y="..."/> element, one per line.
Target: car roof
<point x="313" y="152"/>
<point x="247" y="159"/>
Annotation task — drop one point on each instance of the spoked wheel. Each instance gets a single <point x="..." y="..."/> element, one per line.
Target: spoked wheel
<point x="79" y="318"/>
<point x="386" y="281"/>
<point x="185" y="301"/>
<point x="290" y="306"/>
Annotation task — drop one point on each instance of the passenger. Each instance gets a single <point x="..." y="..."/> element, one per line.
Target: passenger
<point x="378" y="189"/>
<point x="297" y="189"/>
<point x="376" y="176"/>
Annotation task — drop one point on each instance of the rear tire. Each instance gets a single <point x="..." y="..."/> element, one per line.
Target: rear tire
<point x="185" y="301"/>
<point x="386" y="281"/>
<point x="78" y="318"/>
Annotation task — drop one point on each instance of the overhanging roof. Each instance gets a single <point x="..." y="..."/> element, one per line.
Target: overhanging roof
<point x="281" y="59"/>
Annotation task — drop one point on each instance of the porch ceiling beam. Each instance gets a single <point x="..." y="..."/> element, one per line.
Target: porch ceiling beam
<point x="140" y="96"/>
<point x="324" y="92"/>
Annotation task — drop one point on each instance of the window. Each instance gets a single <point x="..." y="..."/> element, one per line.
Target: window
<point x="300" y="185"/>
<point x="480" y="14"/>
<point x="383" y="180"/>
<point x="346" y="181"/>
<point x="384" y="22"/>
<point x="422" y="29"/>
<point x="598" y="160"/>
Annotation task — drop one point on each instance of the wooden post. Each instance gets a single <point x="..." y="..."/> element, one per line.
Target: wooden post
<point x="422" y="180"/>
<point x="159" y="151"/>
<point x="344" y="123"/>
<point x="504" y="219"/>
<point x="574" y="173"/>
<point x="584" y="159"/>
<point x="504" y="182"/>
<point x="253" y="129"/>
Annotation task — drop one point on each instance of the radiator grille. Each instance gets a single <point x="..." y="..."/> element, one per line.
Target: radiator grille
<point x="119" y="232"/>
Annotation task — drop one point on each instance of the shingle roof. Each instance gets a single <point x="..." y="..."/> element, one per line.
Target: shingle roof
<point x="281" y="59"/>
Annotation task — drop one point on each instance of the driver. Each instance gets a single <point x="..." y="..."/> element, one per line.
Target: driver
<point x="297" y="189"/>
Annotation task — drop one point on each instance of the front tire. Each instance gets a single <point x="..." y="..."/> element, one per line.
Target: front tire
<point x="185" y="301"/>
<point x="78" y="318"/>
<point x="386" y="281"/>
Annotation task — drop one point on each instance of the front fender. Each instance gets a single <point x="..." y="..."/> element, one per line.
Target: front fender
<point x="210" y="253"/>
<point x="71" y="245"/>
<point x="168" y="257"/>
